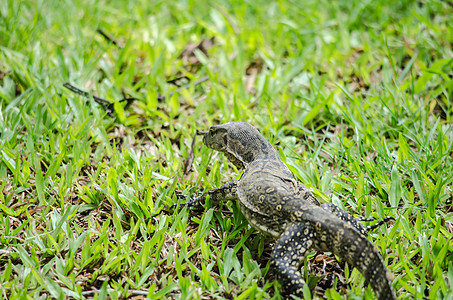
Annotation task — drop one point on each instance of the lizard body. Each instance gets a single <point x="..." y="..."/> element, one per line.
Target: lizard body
<point x="275" y="203"/>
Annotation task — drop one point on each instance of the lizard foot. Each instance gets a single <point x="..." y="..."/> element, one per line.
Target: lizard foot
<point x="374" y="226"/>
<point x="365" y="219"/>
<point x="194" y="203"/>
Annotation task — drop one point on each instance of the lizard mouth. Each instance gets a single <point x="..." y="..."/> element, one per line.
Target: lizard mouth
<point x="211" y="139"/>
<point x="210" y="142"/>
<point x="206" y="139"/>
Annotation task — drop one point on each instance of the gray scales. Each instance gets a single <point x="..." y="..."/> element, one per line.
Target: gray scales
<point x="275" y="203"/>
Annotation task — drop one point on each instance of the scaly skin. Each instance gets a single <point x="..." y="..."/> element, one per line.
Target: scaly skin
<point x="276" y="204"/>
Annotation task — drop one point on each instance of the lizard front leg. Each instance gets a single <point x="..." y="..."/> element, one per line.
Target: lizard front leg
<point x="226" y="192"/>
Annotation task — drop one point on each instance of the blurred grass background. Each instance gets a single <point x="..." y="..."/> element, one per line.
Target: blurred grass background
<point x="356" y="96"/>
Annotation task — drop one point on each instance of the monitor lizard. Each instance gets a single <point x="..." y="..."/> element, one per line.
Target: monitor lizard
<point x="275" y="203"/>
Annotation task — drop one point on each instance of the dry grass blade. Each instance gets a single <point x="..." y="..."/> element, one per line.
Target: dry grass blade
<point x="106" y="105"/>
<point x="189" y="161"/>
<point x="108" y="38"/>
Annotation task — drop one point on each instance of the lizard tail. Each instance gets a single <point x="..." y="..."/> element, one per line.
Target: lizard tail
<point x="349" y="244"/>
<point x="370" y="263"/>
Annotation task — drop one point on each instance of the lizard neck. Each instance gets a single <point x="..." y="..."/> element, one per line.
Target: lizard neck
<point x="256" y="147"/>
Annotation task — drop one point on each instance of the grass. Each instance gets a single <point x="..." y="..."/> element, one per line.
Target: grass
<point x="356" y="95"/>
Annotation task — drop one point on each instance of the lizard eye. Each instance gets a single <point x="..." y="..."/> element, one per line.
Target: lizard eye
<point x="215" y="130"/>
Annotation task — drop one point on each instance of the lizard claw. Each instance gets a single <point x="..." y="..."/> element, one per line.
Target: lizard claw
<point x="193" y="203"/>
<point x="178" y="195"/>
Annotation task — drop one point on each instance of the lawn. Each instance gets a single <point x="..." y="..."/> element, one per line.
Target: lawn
<point x="357" y="97"/>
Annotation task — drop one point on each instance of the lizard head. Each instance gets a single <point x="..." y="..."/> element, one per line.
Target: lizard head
<point x="239" y="141"/>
